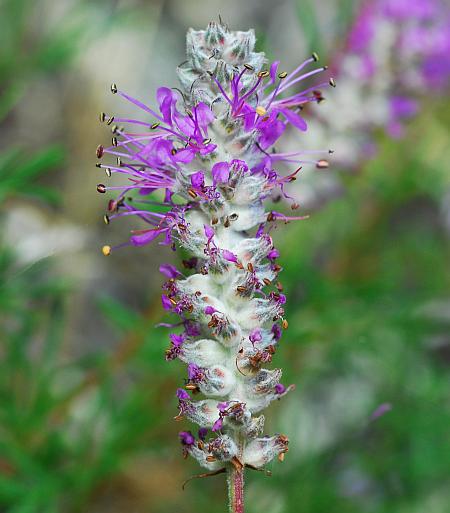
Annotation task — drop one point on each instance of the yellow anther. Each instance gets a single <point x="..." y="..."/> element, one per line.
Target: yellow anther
<point x="106" y="250"/>
<point x="260" y="110"/>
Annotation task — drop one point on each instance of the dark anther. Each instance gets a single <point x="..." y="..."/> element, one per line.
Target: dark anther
<point x="234" y="216"/>
<point x="206" y="141"/>
<point x="155" y="125"/>
<point x="106" y="219"/>
<point x="226" y="222"/>
<point x="108" y="172"/>
<point x="315" y="56"/>
<point x="282" y="75"/>
<point x="99" y="151"/>
<point x="114" y="141"/>
<point x="119" y="162"/>
<point x="114" y="88"/>
<point x="249" y="67"/>
<point x="101" y="188"/>
<point x="97" y="164"/>
<point x="332" y="82"/>
<point x="270" y="217"/>
<point x="263" y="74"/>
<point x="102" y="117"/>
<point x="110" y="120"/>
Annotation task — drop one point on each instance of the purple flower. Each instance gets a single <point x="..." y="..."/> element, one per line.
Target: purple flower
<point x="273" y="254"/>
<point x="177" y="340"/>
<point x="186" y="437"/>
<point x="209" y="232"/>
<point x="195" y="374"/>
<point x="218" y="424"/>
<point x="255" y="336"/>
<point x="222" y="406"/>
<point x="198" y="180"/>
<point x="220" y="172"/>
<point x="229" y="256"/>
<point x="166" y="303"/>
<point x="202" y="432"/>
<point x="276" y="331"/>
<point x="182" y="394"/>
<point x="169" y="270"/>
<point x="280" y="389"/>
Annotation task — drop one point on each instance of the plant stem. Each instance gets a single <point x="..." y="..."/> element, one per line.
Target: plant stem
<point x="236" y="489"/>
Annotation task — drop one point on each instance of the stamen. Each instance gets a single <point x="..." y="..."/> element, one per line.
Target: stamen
<point x="114" y="88"/>
<point x="106" y="250"/>
<point x="322" y="164"/>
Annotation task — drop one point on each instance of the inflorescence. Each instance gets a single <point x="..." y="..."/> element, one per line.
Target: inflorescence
<point x="197" y="174"/>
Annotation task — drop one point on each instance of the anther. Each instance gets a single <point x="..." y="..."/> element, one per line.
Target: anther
<point x="192" y="387"/>
<point x="97" y="164"/>
<point x="106" y="219"/>
<point x="283" y="74"/>
<point x="99" y="151"/>
<point x="260" y="110"/>
<point x="101" y="188"/>
<point x="155" y="125"/>
<point x="102" y="117"/>
<point x="332" y="82"/>
<point x="173" y="302"/>
<point x="114" y="141"/>
<point x="206" y="141"/>
<point x="241" y="289"/>
<point x="284" y="324"/>
<point x="322" y="164"/>
<point x="249" y="67"/>
<point x="114" y="88"/>
<point x="330" y="152"/>
<point x="250" y="267"/>
<point x="214" y="220"/>
<point x="173" y="151"/>
<point x="270" y="217"/>
<point x="192" y="193"/>
<point x="211" y="459"/>
<point x="114" y="129"/>
<point x="110" y="120"/>
<point x="106" y="250"/>
<point x="227" y="222"/>
<point x="315" y="56"/>
<point x="295" y="206"/>
<point x="263" y="74"/>
<point x="119" y="162"/>
<point x="233" y="216"/>
<point x="266" y="281"/>
<point x="108" y="172"/>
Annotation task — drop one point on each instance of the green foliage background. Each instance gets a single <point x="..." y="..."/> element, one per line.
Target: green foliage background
<point x="369" y="299"/>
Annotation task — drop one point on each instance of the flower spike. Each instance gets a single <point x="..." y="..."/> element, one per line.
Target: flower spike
<point x="197" y="174"/>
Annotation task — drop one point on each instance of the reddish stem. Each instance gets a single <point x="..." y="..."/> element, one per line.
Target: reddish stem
<point x="236" y="489"/>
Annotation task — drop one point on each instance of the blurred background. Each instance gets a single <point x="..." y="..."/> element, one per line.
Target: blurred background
<point x="86" y="397"/>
